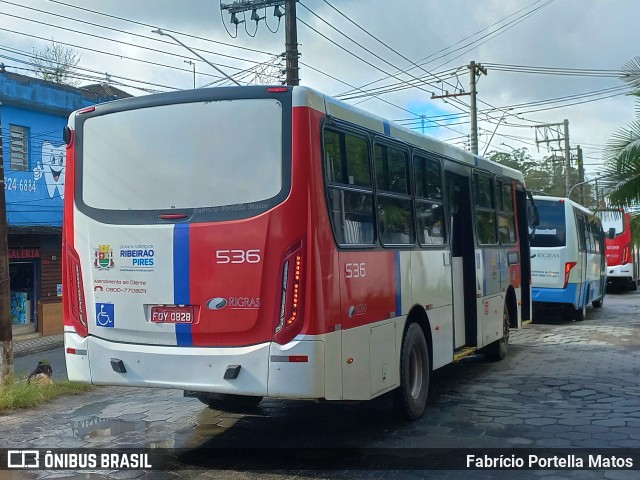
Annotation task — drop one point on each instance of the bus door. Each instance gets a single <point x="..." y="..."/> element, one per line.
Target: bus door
<point x="463" y="270"/>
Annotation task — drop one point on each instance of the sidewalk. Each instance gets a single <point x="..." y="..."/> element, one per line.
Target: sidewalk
<point x="28" y="343"/>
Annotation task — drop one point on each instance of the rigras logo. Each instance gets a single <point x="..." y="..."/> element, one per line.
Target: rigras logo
<point x="216" y="303"/>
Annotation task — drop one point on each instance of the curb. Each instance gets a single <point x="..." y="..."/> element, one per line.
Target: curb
<point x="21" y="352"/>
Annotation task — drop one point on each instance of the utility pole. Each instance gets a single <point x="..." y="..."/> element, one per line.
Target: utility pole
<point x="581" y="175"/>
<point x="553" y="129"/>
<point x="475" y="69"/>
<point x="291" y="43"/>
<point x="567" y="157"/>
<point x="291" y="30"/>
<point x="6" y="336"/>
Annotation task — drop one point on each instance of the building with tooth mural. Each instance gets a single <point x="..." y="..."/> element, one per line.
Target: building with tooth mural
<point x="33" y="113"/>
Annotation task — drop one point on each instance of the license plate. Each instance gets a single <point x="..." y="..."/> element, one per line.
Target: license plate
<point x="172" y="314"/>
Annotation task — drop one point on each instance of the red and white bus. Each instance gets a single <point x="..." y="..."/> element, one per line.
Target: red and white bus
<point x="623" y="255"/>
<point x="248" y="242"/>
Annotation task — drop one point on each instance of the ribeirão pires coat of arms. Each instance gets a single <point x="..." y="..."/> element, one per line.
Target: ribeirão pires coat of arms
<point x="103" y="257"/>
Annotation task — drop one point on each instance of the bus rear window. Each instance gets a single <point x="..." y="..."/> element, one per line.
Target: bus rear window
<point x="551" y="231"/>
<point x="612" y="219"/>
<point x="187" y="155"/>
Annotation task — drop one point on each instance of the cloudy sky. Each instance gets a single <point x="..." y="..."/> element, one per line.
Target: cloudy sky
<point x="546" y="60"/>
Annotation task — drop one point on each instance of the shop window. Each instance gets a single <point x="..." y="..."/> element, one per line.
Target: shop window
<point x="19" y="140"/>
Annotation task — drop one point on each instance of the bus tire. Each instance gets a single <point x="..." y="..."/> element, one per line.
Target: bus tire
<point x="228" y="402"/>
<point x="498" y="350"/>
<point x="581" y="313"/>
<point x="597" y="303"/>
<point x="633" y="286"/>
<point x="410" y="398"/>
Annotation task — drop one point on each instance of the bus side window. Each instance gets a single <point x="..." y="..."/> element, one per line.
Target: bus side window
<point x="395" y="214"/>
<point x="506" y="215"/>
<point x="349" y="188"/>
<point x="485" y="209"/>
<point x="429" y="207"/>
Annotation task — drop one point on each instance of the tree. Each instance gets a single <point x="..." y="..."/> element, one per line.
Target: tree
<point x="546" y="176"/>
<point x="622" y="160"/>
<point x="56" y="63"/>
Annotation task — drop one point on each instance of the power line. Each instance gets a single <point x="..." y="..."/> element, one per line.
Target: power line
<point x="427" y="60"/>
<point x="101" y="37"/>
<point x="147" y="25"/>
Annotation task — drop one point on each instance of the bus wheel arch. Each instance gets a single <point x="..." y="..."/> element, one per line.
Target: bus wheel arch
<point x="581" y="312"/>
<point x="498" y="350"/>
<point x="511" y="304"/>
<point x="410" y="398"/>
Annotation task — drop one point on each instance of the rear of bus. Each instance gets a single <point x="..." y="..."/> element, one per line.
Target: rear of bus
<point x="185" y="245"/>
<point x="555" y="263"/>
<point x="622" y="268"/>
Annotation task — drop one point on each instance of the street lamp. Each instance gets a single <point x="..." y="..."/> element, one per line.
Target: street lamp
<point x="194" y="71"/>
<point x="161" y="33"/>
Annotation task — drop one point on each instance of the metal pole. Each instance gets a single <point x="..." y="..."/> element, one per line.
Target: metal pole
<point x="494" y="132"/>
<point x="160" y="32"/>
<point x="567" y="159"/>
<point x="474" y="113"/>
<point x="194" y="71"/>
<point x="6" y="335"/>
<point x="291" y="43"/>
<point x="581" y="175"/>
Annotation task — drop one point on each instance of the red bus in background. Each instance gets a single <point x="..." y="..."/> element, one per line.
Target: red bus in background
<point x="623" y="256"/>
<point x="248" y="242"/>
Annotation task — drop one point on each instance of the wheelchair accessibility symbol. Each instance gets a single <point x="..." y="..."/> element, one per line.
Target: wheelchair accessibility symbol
<point x="104" y="315"/>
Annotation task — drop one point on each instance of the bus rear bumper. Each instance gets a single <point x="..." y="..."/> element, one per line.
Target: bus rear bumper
<point x="567" y="296"/>
<point x="620" y="271"/>
<point x="295" y="370"/>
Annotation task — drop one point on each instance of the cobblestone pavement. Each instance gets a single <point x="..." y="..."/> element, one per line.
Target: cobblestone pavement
<point x="564" y="384"/>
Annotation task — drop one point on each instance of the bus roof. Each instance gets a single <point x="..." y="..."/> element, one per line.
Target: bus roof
<point x="312" y="98"/>
<point x="305" y="96"/>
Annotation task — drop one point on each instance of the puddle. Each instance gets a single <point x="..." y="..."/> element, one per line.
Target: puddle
<point x="124" y="431"/>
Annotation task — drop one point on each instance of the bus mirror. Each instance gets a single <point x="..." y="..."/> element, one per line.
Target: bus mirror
<point x="612" y="233"/>
<point x="66" y="135"/>
<point x="534" y="219"/>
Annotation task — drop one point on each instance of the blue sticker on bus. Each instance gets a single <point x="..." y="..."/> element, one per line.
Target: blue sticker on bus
<point x="105" y="315"/>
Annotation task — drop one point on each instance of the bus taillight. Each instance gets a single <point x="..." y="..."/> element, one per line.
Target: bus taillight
<point x="289" y="321"/>
<point x="567" y="270"/>
<point x="74" y="292"/>
<point x="626" y="254"/>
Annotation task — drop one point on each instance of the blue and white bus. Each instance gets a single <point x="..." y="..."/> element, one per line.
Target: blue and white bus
<point x="568" y="262"/>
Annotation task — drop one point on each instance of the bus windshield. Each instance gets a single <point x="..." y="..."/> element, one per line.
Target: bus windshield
<point x="189" y="155"/>
<point x="551" y="231"/>
<point x="612" y="219"/>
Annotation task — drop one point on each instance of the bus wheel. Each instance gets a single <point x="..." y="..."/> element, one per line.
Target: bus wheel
<point x="228" y="402"/>
<point x="411" y="397"/>
<point x="597" y="303"/>
<point x="498" y="350"/>
<point x="581" y="313"/>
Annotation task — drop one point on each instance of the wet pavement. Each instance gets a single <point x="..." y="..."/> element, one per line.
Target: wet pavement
<point x="564" y="384"/>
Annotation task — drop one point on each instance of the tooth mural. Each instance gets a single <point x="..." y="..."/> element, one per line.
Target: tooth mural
<point x="52" y="167"/>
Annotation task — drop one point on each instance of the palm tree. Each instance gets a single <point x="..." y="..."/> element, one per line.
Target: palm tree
<point x="622" y="161"/>
<point x="623" y="157"/>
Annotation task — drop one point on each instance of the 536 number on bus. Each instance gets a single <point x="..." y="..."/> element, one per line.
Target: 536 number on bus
<point x="238" y="256"/>
<point x="355" y="270"/>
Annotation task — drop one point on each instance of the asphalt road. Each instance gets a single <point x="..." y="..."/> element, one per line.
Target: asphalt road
<point x="563" y="385"/>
